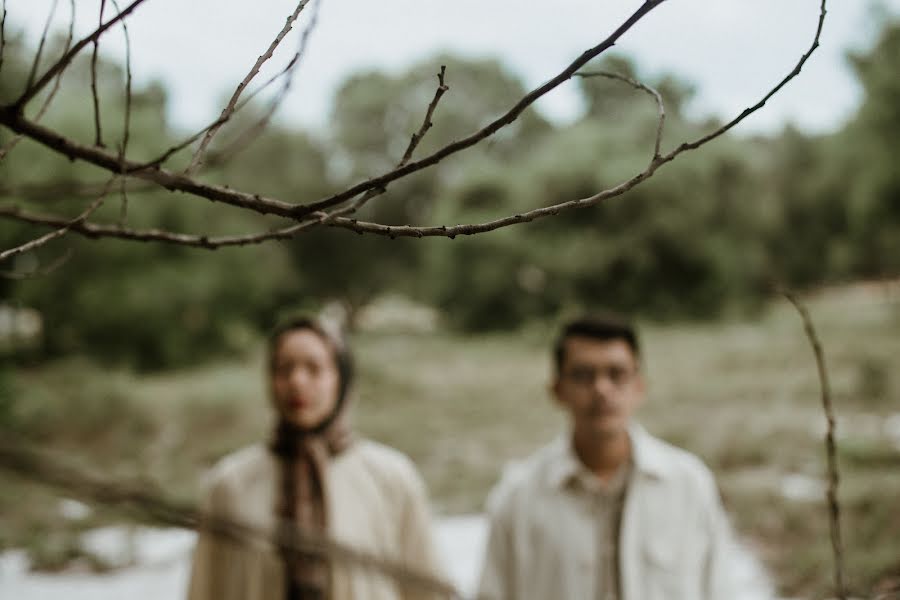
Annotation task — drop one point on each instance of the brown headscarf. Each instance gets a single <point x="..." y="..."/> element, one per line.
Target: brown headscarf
<point x="302" y="495"/>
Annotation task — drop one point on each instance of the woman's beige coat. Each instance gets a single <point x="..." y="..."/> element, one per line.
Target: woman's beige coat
<point x="376" y="504"/>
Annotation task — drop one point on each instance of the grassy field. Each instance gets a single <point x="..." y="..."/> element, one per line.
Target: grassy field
<point x="743" y="394"/>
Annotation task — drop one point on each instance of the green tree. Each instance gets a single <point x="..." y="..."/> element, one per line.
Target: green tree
<point x="373" y="118"/>
<point x="871" y="144"/>
<point x="151" y="305"/>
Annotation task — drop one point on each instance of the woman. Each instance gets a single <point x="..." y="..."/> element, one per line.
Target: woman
<point x="315" y="476"/>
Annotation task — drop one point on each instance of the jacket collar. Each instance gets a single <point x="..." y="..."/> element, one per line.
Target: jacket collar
<point x="647" y="458"/>
<point x="647" y="453"/>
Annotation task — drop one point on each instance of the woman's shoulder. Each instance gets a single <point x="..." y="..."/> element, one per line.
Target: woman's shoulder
<point x="239" y="466"/>
<point x="385" y="463"/>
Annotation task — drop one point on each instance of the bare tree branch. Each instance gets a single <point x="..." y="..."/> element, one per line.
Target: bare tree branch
<point x="251" y="133"/>
<point x="162" y="158"/>
<point x="394" y="231"/>
<point x="491" y="128"/>
<point x="218" y="158"/>
<point x="413" y="142"/>
<point x="2" y="32"/>
<point x="32" y="90"/>
<point x="529" y="99"/>
<point x="98" y="136"/>
<point x="830" y="450"/>
<point x="408" y="231"/>
<point x="426" y="123"/>
<point x="15" y="121"/>
<point x="197" y="159"/>
<point x="6" y="149"/>
<point x="96" y="230"/>
<point x="660" y="106"/>
<point x="63" y="230"/>
<point x="67" y="147"/>
<point x="166" y="179"/>
<point x="752" y="109"/>
<point x="142" y="498"/>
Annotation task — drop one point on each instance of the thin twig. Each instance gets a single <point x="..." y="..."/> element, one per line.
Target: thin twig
<point x="363" y="199"/>
<point x="2" y="32"/>
<point x="140" y="496"/>
<point x="123" y="147"/>
<point x="123" y="207"/>
<point x="98" y="135"/>
<point x="830" y="449"/>
<point x="40" y="50"/>
<point x="251" y="133"/>
<point x="32" y="90"/>
<point x="14" y="141"/>
<point x="220" y="120"/>
<point x="752" y="109"/>
<point x="96" y="230"/>
<point x="128" y="92"/>
<point x="63" y="230"/>
<point x="657" y="97"/>
<point x="53" y="266"/>
<point x="426" y="123"/>
<point x="197" y="159"/>
<point x="407" y="155"/>
<point x="394" y="231"/>
<point x="70" y="35"/>
<point x="172" y="150"/>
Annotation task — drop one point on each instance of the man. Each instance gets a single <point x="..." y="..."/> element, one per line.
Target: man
<point x="608" y="512"/>
<point x="315" y="476"/>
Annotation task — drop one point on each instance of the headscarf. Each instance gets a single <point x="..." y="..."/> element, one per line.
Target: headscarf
<point x="303" y="457"/>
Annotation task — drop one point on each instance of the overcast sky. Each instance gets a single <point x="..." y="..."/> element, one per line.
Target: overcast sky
<point x="731" y="50"/>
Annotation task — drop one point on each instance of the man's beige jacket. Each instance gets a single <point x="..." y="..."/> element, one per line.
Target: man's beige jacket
<point x="376" y="504"/>
<point x="675" y="542"/>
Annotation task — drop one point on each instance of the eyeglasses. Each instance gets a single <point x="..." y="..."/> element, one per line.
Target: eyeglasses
<point x="586" y="376"/>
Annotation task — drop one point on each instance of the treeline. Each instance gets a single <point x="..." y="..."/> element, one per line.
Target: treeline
<point x="712" y="233"/>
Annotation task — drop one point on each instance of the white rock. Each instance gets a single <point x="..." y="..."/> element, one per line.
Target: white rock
<point x="802" y="488"/>
<point x="73" y="510"/>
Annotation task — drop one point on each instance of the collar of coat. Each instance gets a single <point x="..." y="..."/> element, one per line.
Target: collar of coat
<point x="648" y="457"/>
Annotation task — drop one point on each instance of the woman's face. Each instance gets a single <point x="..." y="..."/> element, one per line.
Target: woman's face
<point x="304" y="379"/>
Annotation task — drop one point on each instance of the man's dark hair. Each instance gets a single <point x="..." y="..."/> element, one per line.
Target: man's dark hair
<point x="343" y="358"/>
<point x="603" y="327"/>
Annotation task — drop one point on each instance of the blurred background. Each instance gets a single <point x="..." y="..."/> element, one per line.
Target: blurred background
<point x="144" y="360"/>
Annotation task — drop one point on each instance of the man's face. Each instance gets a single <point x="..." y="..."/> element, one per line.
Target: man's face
<point x="304" y="379"/>
<point x="599" y="385"/>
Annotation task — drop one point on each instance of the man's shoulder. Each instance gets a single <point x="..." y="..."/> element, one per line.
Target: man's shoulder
<point x="524" y="478"/>
<point x="675" y="463"/>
